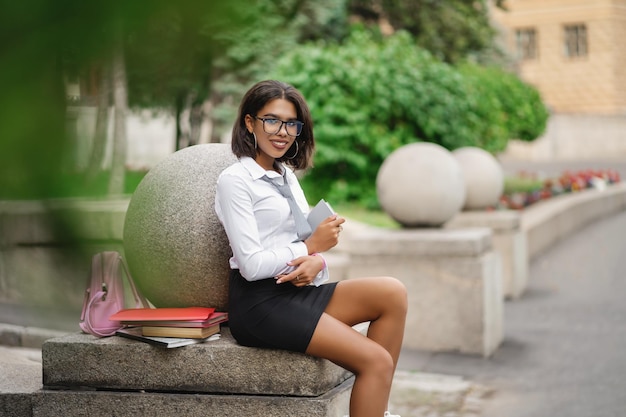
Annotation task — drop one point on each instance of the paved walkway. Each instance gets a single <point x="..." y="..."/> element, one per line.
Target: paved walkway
<point x="565" y="338"/>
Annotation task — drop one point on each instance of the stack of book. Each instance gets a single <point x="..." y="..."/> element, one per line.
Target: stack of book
<point x="186" y="324"/>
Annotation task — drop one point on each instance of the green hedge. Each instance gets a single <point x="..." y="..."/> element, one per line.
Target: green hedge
<point x="525" y="115"/>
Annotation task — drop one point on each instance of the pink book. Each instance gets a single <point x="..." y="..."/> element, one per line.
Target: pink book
<point x="215" y="318"/>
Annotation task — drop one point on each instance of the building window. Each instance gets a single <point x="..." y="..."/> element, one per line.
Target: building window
<point x="575" y="40"/>
<point x="526" y="40"/>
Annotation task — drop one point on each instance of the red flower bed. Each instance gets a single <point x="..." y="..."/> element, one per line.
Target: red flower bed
<point x="567" y="182"/>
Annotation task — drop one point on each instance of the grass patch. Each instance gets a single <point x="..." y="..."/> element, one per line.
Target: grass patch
<point x="371" y="217"/>
<point x="521" y="185"/>
<point x="67" y="185"/>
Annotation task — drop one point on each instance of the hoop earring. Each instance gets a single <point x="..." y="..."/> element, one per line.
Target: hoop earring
<point x="296" y="153"/>
<point x="255" y="143"/>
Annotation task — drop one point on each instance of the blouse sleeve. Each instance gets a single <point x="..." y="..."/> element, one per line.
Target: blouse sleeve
<point x="234" y="204"/>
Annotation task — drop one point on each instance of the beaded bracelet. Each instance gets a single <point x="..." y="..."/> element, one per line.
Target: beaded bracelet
<point x="320" y="255"/>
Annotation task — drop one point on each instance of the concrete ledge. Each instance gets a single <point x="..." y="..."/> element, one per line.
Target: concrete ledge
<point x="82" y="361"/>
<point x="33" y="222"/>
<point x="549" y="221"/>
<point x="338" y="265"/>
<point x="453" y="279"/>
<point x="16" y="405"/>
<point x="30" y="337"/>
<point x="48" y="403"/>
<point x="421" y="242"/>
<point x="496" y="220"/>
<point x="508" y="240"/>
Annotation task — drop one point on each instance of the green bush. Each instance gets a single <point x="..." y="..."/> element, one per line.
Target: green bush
<point x="371" y="95"/>
<point x="525" y="115"/>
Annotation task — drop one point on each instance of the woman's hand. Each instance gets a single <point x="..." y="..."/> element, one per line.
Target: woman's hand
<point x="326" y="236"/>
<point x="306" y="269"/>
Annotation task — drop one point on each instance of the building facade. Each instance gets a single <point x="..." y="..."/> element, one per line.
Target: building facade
<point x="572" y="51"/>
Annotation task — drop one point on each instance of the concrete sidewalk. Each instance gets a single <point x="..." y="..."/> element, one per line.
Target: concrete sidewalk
<point x="21" y="369"/>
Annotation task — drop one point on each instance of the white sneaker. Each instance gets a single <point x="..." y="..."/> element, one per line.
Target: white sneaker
<point x="388" y="414"/>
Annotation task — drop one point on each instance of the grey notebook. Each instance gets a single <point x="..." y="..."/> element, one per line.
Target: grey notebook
<point x="319" y="213"/>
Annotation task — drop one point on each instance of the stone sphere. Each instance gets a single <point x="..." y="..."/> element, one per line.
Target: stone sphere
<point x="176" y="248"/>
<point x="421" y="185"/>
<point x="484" y="177"/>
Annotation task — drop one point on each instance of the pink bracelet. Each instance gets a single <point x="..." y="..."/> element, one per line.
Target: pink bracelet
<point x="320" y="255"/>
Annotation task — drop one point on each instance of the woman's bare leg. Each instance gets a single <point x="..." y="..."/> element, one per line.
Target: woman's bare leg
<point x="371" y="364"/>
<point x="383" y="302"/>
<point x="380" y="300"/>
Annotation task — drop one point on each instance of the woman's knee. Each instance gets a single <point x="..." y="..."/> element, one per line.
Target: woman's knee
<point x="396" y="293"/>
<point x="378" y="361"/>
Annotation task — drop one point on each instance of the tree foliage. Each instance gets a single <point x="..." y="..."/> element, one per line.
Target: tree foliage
<point x="170" y="57"/>
<point x="269" y="30"/>
<point x="188" y="53"/>
<point x="34" y="144"/>
<point x="452" y="30"/>
<point x="175" y="52"/>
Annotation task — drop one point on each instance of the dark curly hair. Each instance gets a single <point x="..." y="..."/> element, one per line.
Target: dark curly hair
<point x="256" y="98"/>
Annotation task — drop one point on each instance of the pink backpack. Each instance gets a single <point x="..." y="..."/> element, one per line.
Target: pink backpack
<point x="104" y="295"/>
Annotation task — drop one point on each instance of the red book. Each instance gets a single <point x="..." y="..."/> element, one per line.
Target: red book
<point x="163" y="314"/>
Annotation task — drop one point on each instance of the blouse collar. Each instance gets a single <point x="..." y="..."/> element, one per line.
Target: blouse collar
<point x="257" y="171"/>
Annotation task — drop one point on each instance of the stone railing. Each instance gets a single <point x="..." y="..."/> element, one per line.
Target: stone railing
<point x="453" y="280"/>
<point x="547" y="222"/>
<point x="520" y="236"/>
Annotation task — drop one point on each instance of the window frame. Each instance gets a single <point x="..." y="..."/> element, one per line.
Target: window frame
<point x="526" y="43"/>
<point x="575" y="40"/>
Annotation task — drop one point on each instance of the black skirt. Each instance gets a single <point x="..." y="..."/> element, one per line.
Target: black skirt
<point x="280" y="316"/>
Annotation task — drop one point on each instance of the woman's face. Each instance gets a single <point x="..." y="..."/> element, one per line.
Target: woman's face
<point x="273" y="145"/>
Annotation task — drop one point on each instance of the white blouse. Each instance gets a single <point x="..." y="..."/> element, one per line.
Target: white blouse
<point x="258" y="220"/>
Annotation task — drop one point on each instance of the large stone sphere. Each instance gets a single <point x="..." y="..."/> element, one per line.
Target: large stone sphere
<point x="176" y="248"/>
<point x="421" y="185"/>
<point x="484" y="177"/>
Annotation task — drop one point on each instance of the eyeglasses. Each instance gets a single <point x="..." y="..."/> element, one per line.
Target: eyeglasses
<point x="272" y="126"/>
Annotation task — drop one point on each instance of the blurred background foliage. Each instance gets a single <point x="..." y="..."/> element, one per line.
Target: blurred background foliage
<point x="371" y="94"/>
<point x="378" y="74"/>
